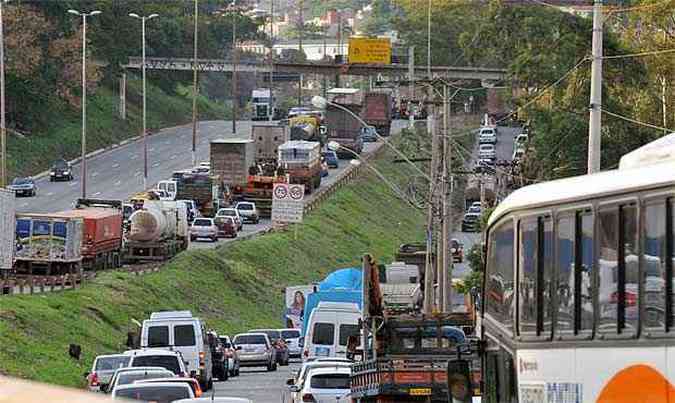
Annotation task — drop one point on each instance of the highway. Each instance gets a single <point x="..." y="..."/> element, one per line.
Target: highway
<point x="118" y="173"/>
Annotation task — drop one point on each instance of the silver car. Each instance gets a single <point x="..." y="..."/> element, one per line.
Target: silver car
<point x="204" y="228"/>
<point x="255" y="350"/>
<point x="102" y="370"/>
<point x="248" y="212"/>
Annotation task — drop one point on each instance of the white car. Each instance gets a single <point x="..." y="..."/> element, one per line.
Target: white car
<point x="215" y="400"/>
<point x="325" y="384"/>
<point x="300" y="377"/>
<point x="231" y="212"/>
<point x="487" y="151"/>
<point x="171" y="360"/>
<point x="292" y="337"/>
<point x="487" y="135"/>
<point x="154" y="392"/>
<point x="248" y="212"/>
<point x="128" y="377"/>
<point x="522" y="139"/>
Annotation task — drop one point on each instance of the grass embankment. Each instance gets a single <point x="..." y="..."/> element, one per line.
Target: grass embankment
<point x="234" y="288"/>
<point x="36" y="151"/>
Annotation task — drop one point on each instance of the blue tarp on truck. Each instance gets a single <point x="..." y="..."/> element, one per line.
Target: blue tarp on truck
<point x="343" y="285"/>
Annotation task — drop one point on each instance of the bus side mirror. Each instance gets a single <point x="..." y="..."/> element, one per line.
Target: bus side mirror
<point x="459" y="381"/>
<point x="323" y="130"/>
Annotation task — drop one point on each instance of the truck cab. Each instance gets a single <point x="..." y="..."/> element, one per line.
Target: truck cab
<point x="170" y="187"/>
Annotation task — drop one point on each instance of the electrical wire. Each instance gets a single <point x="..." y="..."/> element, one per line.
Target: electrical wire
<point x="637" y="122"/>
<point x="637" y="8"/>
<point x="651" y="53"/>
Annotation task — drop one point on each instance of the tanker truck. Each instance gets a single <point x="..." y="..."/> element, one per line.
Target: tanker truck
<point x="307" y="128"/>
<point x="158" y="230"/>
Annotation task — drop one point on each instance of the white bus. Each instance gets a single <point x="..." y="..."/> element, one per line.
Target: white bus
<point x="578" y="301"/>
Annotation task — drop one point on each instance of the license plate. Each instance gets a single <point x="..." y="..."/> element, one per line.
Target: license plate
<point x="419" y="392"/>
<point x="322" y="351"/>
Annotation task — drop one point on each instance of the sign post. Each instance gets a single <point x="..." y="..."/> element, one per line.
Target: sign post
<point x="288" y="203"/>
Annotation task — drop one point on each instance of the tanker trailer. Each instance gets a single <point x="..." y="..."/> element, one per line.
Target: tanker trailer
<point x="153" y="234"/>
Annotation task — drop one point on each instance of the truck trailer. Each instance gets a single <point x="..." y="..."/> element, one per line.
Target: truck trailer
<point x="158" y="230"/>
<point x="345" y="129"/>
<point x="101" y="232"/>
<point x="377" y="111"/>
<point x="301" y="161"/>
<point x="7" y="230"/>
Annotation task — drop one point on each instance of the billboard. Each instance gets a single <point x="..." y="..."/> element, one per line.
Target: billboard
<point x="295" y="305"/>
<point x="369" y="51"/>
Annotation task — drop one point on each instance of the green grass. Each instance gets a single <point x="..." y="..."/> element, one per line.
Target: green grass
<point x="37" y="151"/>
<point x="234" y="288"/>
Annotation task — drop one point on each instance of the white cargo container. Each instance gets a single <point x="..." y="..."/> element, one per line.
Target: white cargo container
<point x="7" y="229"/>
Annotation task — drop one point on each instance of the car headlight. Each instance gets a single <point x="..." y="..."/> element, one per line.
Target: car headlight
<point x="66" y="172"/>
<point x="52" y="173"/>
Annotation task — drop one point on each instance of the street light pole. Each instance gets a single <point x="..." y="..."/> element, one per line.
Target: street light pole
<point x="194" y="89"/>
<point x="595" y="123"/>
<point x="235" y="57"/>
<point x="83" y="159"/>
<point x="144" y="134"/>
<point x="429" y="41"/>
<point x="3" y="126"/>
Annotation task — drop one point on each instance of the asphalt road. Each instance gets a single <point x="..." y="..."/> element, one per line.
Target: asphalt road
<point x="259" y="385"/>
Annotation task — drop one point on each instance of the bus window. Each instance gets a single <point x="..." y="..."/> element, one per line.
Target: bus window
<point x="546" y="263"/>
<point x="527" y="268"/>
<point x="629" y="280"/>
<point x="584" y="272"/>
<point x="499" y="291"/>
<point x="655" y="265"/>
<point x="608" y="268"/>
<point x="566" y="258"/>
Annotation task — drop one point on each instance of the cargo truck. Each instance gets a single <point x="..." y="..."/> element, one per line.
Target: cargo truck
<point x="158" y="230"/>
<point x="198" y="187"/>
<point x="7" y="231"/>
<point x="48" y="244"/>
<point x="377" y="111"/>
<point x="263" y="108"/>
<point x="101" y="232"/>
<point x="301" y="161"/>
<point x="267" y="138"/>
<point x="406" y="355"/>
<point x="480" y="188"/>
<point x="345" y="129"/>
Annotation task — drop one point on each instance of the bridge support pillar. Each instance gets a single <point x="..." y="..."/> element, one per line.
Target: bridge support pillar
<point x="123" y="96"/>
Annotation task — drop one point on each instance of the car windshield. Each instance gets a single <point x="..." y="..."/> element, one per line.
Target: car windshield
<point x="111" y="363"/>
<point x="159" y="394"/>
<point x="169" y="362"/>
<point x="290" y="334"/>
<point x="227" y="212"/>
<point x="250" y="339"/>
<point x="21" y="181"/>
<point x="454" y="243"/>
<point x="330" y="381"/>
<point x="60" y="164"/>
<point x="202" y="222"/>
<point x="244" y="207"/>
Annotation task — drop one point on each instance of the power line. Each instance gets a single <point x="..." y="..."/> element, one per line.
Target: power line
<point x="637" y="8"/>
<point x="654" y="52"/>
<point x="637" y="122"/>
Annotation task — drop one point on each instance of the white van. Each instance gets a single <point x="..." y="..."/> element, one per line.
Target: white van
<point x="330" y="325"/>
<point x="180" y="331"/>
<point x="170" y="187"/>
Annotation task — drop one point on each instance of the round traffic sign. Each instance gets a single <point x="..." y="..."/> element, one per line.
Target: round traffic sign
<point x="296" y="192"/>
<point x="281" y="191"/>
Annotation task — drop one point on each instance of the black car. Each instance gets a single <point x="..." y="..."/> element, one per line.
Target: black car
<point x="470" y="223"/>
<point x="331" y="159"/>
<point x="61" y="170"/>
<point x="23" y="187"/>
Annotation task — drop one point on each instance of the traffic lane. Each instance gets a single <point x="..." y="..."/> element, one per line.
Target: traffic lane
<point x="505" y="142"/>
<point x="118" y="173"/>
<point x="468" y="239"/>
<point x="259" y="385"/>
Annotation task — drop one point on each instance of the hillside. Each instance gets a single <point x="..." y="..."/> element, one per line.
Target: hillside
<point x="234" y="288"/>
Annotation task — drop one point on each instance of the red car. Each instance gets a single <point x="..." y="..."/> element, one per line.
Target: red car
<point x="457" y="250"/>
<point x="227" y="228"/>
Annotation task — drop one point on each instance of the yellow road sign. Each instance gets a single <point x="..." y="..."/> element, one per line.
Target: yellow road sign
<point x="369" y="51"/>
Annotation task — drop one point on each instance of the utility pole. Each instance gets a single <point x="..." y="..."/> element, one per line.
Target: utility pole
<point x="446" y="264"/>
<point x="595" y="124"/>
<point x="301" y="22"/>
<point x="235" y="56"/>
<point x="194" y="89"/>
<point x="429" y="41"/>
<point x="3" y="125"/>
<point x="431" y="235"/>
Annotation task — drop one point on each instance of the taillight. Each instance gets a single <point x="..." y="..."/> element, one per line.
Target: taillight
<point x="93" y="379"/>
<point x="631" y="299"/>
<point x="307" y="397"/>
<point x="305" y="353"/>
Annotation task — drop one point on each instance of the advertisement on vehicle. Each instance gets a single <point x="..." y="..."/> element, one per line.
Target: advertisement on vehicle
<point x="7" y="224"/>
<point x="295" y="305"/>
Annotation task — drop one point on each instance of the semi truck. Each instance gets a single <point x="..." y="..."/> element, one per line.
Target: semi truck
<point x="406" y="355"/>
<point x="301" y="161"/>
<point x="263" y="109"/>
<point x="101" y="232"/>
<point x="377" y="111"/>
<point x="198" y="187"/>
<point x="158" y="230"/>
<point x="48" y="244"/>
<point x="308" y="128"/>
<point x="7" y="230"/>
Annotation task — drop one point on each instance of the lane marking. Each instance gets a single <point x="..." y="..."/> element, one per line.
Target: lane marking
<point x="116" y="165"/>
<point x="137" y="173"/>
<point x="50" y="194"/>
<point x="155" y="165"/>
<point x="173" y="157"/>
<point x="133" y="156"/>
<point x="97" y="193"/>
<point x="118" y="183"/>
<point x="71" y="184"/>
<point x="95" y="174"/>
